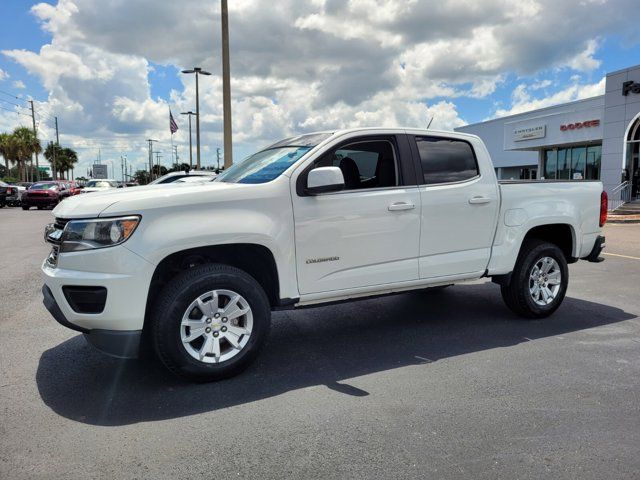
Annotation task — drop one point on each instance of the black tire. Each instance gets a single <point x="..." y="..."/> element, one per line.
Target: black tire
<point x="25" y="207"/>
<point x="516" y="294"/>
<point x="174" y="300"/>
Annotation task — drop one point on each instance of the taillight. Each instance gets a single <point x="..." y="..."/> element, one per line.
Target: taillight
<point x="604" y="203"/>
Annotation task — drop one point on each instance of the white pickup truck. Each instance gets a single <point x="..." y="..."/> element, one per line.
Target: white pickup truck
<point x="196" y="269"/>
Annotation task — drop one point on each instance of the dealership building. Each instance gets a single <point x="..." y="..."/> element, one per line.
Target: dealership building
<point x="595" y="138"/>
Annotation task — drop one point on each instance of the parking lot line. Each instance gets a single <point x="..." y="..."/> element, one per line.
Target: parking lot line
<point x="618" y="255"/>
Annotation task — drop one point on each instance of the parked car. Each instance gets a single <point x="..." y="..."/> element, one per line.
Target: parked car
<point x="74" y="187"/>
<point x="175" y="176"/>
<point x="44" y="194"/>
<point x="195" y="179"/>
<point x="14" y="195"/>
<point x="3" y="194"/>
<point x="99" y="185"/>
<point x="313" y="219"/>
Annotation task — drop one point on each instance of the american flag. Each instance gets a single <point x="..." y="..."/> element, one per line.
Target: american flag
<point x="173" y="126"/>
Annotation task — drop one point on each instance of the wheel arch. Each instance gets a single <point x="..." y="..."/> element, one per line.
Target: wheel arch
<point x="560" y="234"/>
<point x="254" y="259"/>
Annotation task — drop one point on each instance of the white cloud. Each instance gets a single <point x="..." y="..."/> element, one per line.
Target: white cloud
<point x="3" y="75"/>
<point x="19" y="84"/>
<point x="523" y="101"/>
<point x="584" y="61"/>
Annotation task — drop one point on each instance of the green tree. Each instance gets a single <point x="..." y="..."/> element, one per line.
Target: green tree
<point x="7" y="149"/>
<point x="159" y="170"/>
<point x="51" y="153"/>
<point x="62" y="159"/>
<point x="27" y="143"/>
<point x="142" y="177"/>
<point x="69" y="159"/>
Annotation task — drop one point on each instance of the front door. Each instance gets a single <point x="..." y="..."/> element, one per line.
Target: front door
<point x="367" y="234"/>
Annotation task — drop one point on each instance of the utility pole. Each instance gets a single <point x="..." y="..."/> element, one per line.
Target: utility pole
<point x="226" y="87"/>
<point x="175" y="155"/>
<point x="158" y="157"/>
<point x="218" y="156"/>
<point x="151" y="157"/>
<point x="190" y="114"/>
<point x="35" y="134"/>
<point x="198" y="71"/>
<point x="54" y="173"/>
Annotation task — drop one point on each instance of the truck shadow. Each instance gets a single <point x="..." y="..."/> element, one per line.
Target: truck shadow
<point x="321" y="346"/>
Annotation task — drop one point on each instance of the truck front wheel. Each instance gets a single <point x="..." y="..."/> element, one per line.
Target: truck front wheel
<point x="210" y="322"/>
<point x="539" y="280"/>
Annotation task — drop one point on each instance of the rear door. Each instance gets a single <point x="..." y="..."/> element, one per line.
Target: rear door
<point x="367" y="234"/>
<point x="460" y="203"/>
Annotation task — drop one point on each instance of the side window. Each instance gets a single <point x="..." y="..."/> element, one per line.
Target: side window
<point x="446" y="160"/>
<point x="365" y="164"/>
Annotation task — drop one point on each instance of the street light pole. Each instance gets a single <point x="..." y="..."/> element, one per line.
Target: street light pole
<point x="190" y="114"/>
<point x="226" y="86"/>
<point x="198" y="71"/>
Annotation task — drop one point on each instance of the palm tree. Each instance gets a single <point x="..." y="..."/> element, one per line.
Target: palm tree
<point x="71" y="158"/>
<point x="27" y="144"/>
<point x="53" y="153"/>
<point x="7" y="149"/>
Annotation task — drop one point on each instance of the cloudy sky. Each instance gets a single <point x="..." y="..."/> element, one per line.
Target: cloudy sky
<point x="109" y="70"/>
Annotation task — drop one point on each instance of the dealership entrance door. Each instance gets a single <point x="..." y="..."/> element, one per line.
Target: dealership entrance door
<point x="632" y="167"/>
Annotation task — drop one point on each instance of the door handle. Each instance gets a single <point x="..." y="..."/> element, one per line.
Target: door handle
<point x="479" y="200"/>
<point x="396" y="207"/>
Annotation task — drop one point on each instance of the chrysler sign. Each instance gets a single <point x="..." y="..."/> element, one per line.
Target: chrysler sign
<point x="529" y="133"/>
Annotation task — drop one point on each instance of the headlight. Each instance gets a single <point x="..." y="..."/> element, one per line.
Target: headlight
<point x="100" y="233"/>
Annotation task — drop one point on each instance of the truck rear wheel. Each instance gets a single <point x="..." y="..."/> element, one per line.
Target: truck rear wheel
<point x="539" y="280"/>
<point x="210" y="322"/>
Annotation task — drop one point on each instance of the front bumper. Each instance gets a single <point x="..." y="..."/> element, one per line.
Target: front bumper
<point x="117" y="343"/>
<point x="116" y="327"/>
<point x="39" y="201"/>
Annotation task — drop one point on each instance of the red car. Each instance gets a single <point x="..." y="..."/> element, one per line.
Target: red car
<point x="74" y="188"/>
<point x="45" y="194"/>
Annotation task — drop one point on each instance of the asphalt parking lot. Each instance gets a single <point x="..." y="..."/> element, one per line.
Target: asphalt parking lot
<point x="420" y="385"/>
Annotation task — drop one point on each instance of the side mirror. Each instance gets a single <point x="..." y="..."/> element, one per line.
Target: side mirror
<point x="324" y="180"/>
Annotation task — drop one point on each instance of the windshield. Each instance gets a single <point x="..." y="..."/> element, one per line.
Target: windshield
<point x="43" y="186"/>
<point x="99" y="184"/>
<point x="263" y="166"/>
<point x="270" y="163"/>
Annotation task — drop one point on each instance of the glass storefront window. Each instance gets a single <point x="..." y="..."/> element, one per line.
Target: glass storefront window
<point x="564" y="164"/>
<point x="578" y="162"/>
<point x="550" y="163"/>
<point x="594" y="155"/>
<point x="573" y="163"/>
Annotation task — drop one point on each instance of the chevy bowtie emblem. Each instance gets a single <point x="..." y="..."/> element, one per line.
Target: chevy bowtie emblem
<point x="323" y="259"/>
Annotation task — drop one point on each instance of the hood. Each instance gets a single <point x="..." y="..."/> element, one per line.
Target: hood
<point x="139" y="199"/>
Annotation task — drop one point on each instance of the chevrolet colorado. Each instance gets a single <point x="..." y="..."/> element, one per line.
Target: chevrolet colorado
<point x="196" y="269"/>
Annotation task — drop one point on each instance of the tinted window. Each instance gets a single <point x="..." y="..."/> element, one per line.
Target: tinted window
<point x="446" y="160"/>
<point x="367" y="164"/>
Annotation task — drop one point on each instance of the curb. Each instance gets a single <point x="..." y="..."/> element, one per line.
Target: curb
<point x="623" y="219"/>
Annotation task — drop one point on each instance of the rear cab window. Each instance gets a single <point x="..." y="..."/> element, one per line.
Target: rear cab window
<point x="446" y="160"/>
